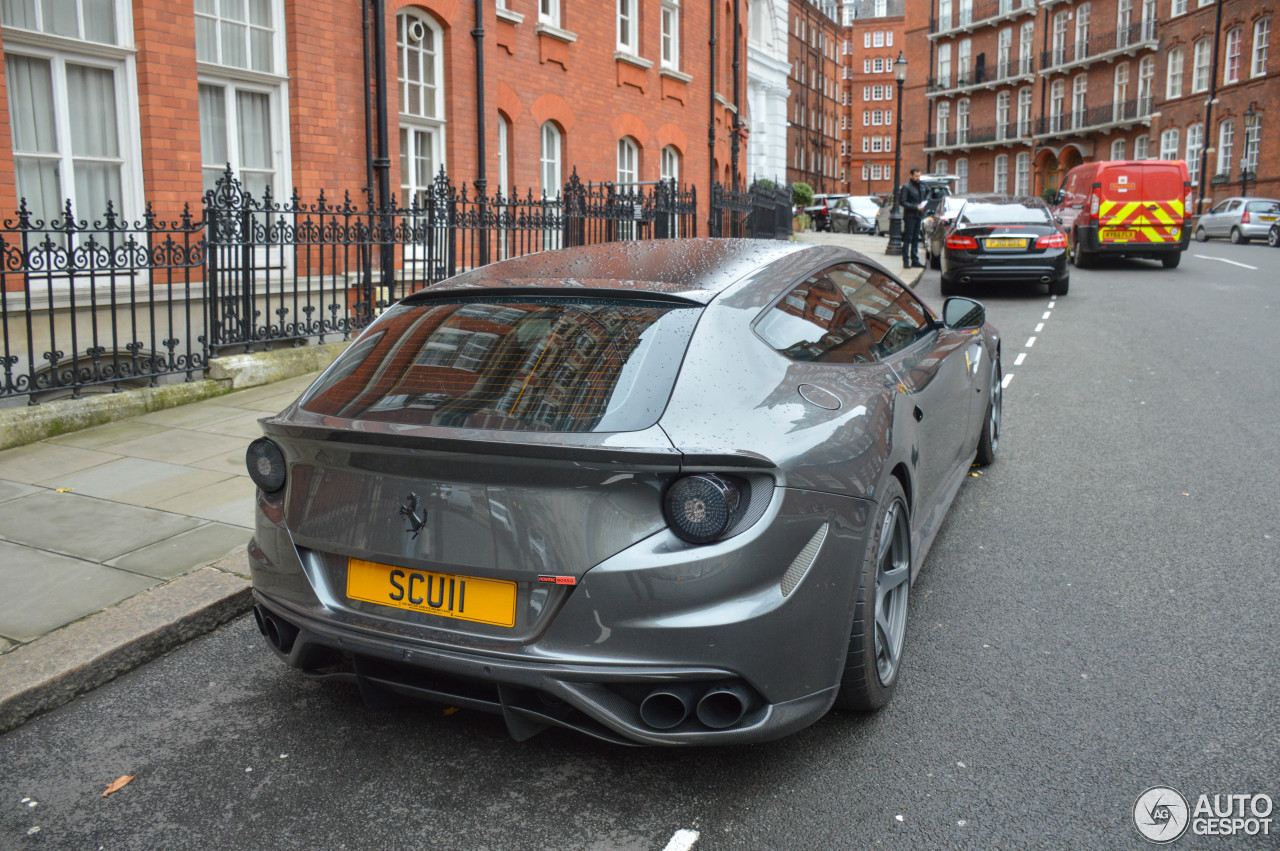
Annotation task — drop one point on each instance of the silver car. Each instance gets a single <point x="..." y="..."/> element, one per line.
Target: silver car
<point x="1239" y="219"/>
<point x="671" y="492"/>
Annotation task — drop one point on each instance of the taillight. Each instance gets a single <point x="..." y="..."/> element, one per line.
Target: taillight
<point x="962" y="242"/>
<point x="701" y="508"/>
<point x="266" y="465"/>
<point x="1095" y="200"/>
<point x="1244" y="219"/>
<point x="1186" y="204"/>
<point x="1053" y="240"/>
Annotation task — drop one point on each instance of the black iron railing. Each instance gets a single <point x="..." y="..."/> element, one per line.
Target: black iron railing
<point x="979" y="13"/>
<point x="1091" y="118"/>
<point x="111" y="303"/>
<point x="1128" y="36"/>
<point x="760" y="211"/>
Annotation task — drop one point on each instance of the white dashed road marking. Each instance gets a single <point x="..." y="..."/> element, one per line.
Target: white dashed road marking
<point x="1039" y="327"/>
<point x="682" y="840"/>
<point x="1020" y="358"/>
<point x="1225" y="260"/>
<point x="1046" y="315"/>
<point x="1007" y="379"/>
<point x="1031" y="341"/>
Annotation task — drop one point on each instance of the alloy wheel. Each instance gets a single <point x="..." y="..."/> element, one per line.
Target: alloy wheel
<point x="997" y="403"/>
<point x="893" y="572"/>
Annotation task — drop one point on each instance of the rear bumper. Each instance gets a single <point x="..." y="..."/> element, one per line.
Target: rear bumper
<point x="1090" y="243"/>
<point x="659" y="614"/>
<point x="958" y="266"/>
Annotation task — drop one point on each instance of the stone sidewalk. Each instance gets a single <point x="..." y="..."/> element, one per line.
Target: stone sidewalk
<point x="154" y="510"/>
<point x="122" y="541"/>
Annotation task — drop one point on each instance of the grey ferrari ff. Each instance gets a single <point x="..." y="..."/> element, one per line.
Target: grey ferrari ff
<point x="669" y="492"/>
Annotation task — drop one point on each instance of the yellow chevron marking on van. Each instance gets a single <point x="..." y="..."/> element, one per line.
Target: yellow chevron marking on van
<point x="1160" y="215"/>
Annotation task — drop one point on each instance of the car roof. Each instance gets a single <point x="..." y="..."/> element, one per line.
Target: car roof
<point x="692" y="268"/>
<point x="999" y="198"/>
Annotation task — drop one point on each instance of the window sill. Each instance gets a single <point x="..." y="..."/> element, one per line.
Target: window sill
<point x="556" y="33"/>
<point x="676" y="75"/>
<point x="508" y="15"/>
<point x="632" y="59"/>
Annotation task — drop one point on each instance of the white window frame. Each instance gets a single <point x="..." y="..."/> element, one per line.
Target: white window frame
<point x="1234" y="53"/>
<point x="942" y="124"/>
<point x="1026" y="47"/>
<point x="1083" y="14"/>
<point x="962" y="122"/>
<point x="549" y="13"/>
<point x="944" y="66"/>
<point x="1004" y="53"/>
<point x="504" y="156"/>
<point x="877" y="38"/>
<point x="628" y="161"/>
<point x="671" y="34"/>
<point x="670" y="164"/>
<point x="1057" y="102"/>
<point x="1200" y="65"/>
<point x="1025" y="98"/>
<point x="1003" y="100"/>
<point x="1142" y="147"/>
<point x="1173" y="74"/>
<point x="1117" y="149"/>
<point x="1000" y="181"/>
<point x="551" y="162"/>
<point x="1195" y="147"/>
<point x="962" y="172"/>
<point x="628" y="27"/>
<point x="1119" y="90"/>
<point x="1226" y="146"/>
<point x="1169" y="144"/>
<point x="119" y="59"/>
<point x="1079" y="96"/>
<point x="1177" y="7"/>
<point x="964" y="55"/>
<point x="941" y="167"/>
<point x="412" y="124"/>
<point x="1022" y="174"/>
<point x="1059" y="38"/>
<point x="1261" y="40"/>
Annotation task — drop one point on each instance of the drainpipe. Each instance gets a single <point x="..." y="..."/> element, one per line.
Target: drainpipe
<point x="734" y="143"/>
<point x="1208" y="110"/>
<point x="711" y="123"/>
<point x="481" y="183"/>
<point x="368" y="109"/>
<point x="382" y="164"/>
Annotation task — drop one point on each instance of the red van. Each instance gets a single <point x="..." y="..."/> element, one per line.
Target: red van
<point x="1127" y="208"/>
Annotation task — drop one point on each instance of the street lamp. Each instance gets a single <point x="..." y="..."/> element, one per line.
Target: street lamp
<point x="895" y="214"/>
<point x="1250" y="128"/>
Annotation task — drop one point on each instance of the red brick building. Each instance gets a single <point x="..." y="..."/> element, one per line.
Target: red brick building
<point x="1017" y="92"/>
<point x="146" y="101"/>
<point x="868" y="95"/>
<point x="814" y="135"/>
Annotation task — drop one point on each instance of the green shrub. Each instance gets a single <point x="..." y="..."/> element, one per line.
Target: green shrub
<point x="802" y="194"/>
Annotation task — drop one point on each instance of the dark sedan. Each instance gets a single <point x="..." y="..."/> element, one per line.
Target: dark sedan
<point x="667" y="492"/>
<point x="1004" y="238"/>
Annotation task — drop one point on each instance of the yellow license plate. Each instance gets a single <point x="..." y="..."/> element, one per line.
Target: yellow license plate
<point x="1267" y="218"/>
<point x="467" y="598"/>
<point x="1111" y="233"/>
<point x="1005" y="242"/>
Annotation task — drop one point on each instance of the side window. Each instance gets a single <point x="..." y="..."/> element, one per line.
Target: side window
<point x="814" y="322"/>
<point x="894" y="316"/>
<point x="1221" y="208"/>
<point x="1235" y="205"/>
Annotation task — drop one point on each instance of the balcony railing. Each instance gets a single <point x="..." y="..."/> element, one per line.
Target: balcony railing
<point x="974" y="137"/>
<point x="980" y="14"/>
<point x="982" y="76"/>
<point x="1093" y="118"/>
<point x="1098" y="46"/>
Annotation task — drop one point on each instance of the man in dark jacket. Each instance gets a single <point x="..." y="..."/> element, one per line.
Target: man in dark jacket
<point x="912" y="196"/>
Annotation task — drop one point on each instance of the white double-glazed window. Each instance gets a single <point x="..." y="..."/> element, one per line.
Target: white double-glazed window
<point x="1057" y="99"/>
<point x="1060" y="38"/>
<point x="1200" y="66"/>
<point x="962" y="122"/>
<point x="1082" y="31"/>
<point x="963" y="54"/>
<point x="671" y="34"/>
<point x="1022" y="175"/>
<point x="1120" y="92"/>
<point x="944" y="15"/>
<point x="942" y="124"/>
<point x="670" y="164"/>
<point x="1024" y="112"/>
<point x="1079" y="90"/>
<point x="1261" y="37"/>
<point x="962" y="172"/>
<point x="1142" y="147"/>
<point x="1173" y="74"/>
<point x="942" y="167"/>
<point x="1169" y="144"/>
<point x="1146" y="84"/>
<point x="73" y="107"/>
<point x="1002" y="116"/>
<point x="1252" y="137"/>
<point x="1177" y="7"/>
<point x="1004" y="51"/>
<point x="1124" y="17"/>
<point x="1026" y="46"/>
<point x="628" y="27"/>
<point x="1117" y="149"/>
<point x="504" y="156"/>
<point x="419" y="47"/>
<point x="550" y="159"/>
<point x="243" y="92"/>
<point x="944" y="66"/>
<point x="1195" y="147"/>
<point x="549" y="13"/>
<point x="1226" y="146"/>
<point x="1231" y="68"/>
<point x="628" y="161"/>
<point x="1001" y="182"/>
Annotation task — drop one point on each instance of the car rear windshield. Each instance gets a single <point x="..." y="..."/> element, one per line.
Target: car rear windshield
<point x="1011" y="213"/>
<point x="552" y="364"/>
<point x="1264" y="207"/>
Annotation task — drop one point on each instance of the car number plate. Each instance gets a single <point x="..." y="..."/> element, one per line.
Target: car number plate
<point x="1112" y="233"/>
<point x="467" y="598"/>
<point x="1267" y="218"/>
<point x="1005" y="242"/>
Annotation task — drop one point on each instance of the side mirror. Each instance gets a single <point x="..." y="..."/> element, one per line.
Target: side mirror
<point x="1060" y="196"/>
<point x="1058" y="219"/>
<point x="962" y="313"/>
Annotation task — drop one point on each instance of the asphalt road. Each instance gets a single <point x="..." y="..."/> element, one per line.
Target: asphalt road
<point x="1098" y="616"/>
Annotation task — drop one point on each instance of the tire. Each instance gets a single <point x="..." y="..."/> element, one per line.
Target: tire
<point x="1273" y="236"/>
<point x="1237" y="238"/>
<point x="989" y="439"/>
<point x="1060" y="287"/>
<point x="1079" y="257"/>
<point x="1201" y="236"/>
<point x="879" y="628"/>
<point x="1171" y="261"/>
<point x="948" y="287"/>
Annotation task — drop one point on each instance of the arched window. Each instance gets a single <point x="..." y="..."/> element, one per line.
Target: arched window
<point x="551" y="157"/>
<point x="1142" y="147"/>
<point x="942" y="167"/>
<point x="1001" y="183"/>
<point x="1195" y="146"/>
<point x="1082" y="31"/>
<point x="1117" y="149"/>
<point x="504" y="155"/>
<point x="1169" y="144"/>
<point x="1200" y="65"/>
<point x="628" y="161"/>
<point x="419" y="47"/>
<point x="670" y="164"/>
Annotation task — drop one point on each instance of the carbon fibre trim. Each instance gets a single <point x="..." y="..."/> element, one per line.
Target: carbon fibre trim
<point x="803" y="561"/>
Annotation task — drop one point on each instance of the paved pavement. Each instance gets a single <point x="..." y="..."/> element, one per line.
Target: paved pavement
<point x="872" y="246"/>
<point x="119" y="542"/>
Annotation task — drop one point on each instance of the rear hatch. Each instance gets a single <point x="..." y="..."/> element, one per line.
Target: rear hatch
<point x="1141" y="202"/>
<point x="498" y="447"/>
<point x="1002" y="233"/>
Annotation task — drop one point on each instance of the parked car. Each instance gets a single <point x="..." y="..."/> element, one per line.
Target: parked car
<point x="939" y="185"/>
<point x="1239" y="219"/>
<point x="1005" y="238"/>
<point x="854" y="214"/>
<point x="934" y="227"/>
<point x="820" y="210"/>
<point x="1126" y="208"/>
<point x="1273" y="236"/>
<point x="732" y="456"/>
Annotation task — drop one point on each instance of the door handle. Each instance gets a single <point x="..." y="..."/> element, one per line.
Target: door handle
<point x="919" y="414"/>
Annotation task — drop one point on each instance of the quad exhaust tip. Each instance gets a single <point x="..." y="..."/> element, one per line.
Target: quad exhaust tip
<point x="279" y="633"/>
<point x="718" y="708"/>
<point x="667" y="707"/>
<point x="723" y="706"/>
